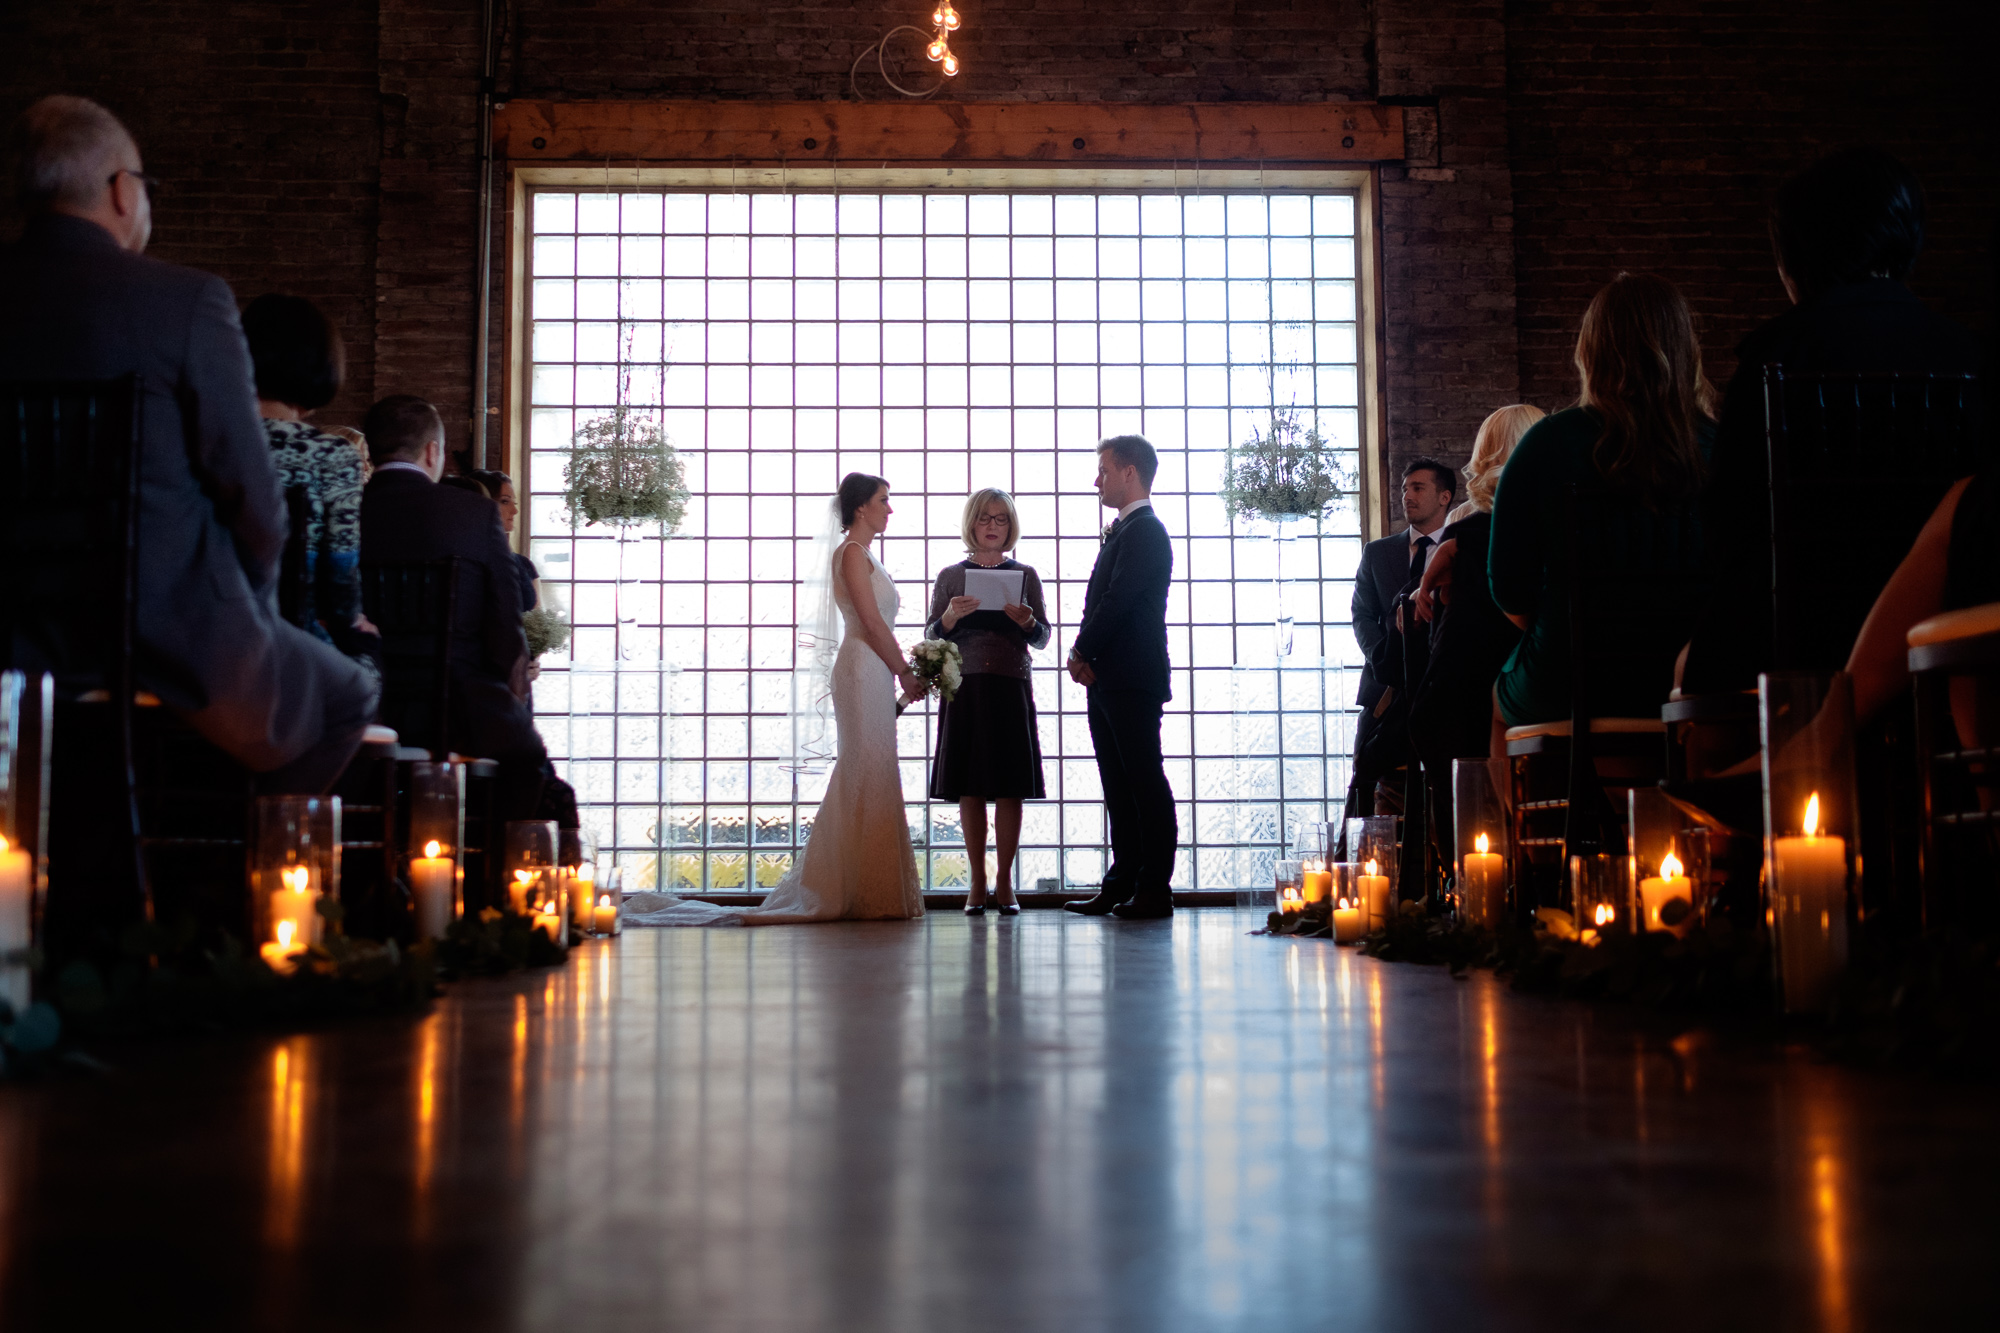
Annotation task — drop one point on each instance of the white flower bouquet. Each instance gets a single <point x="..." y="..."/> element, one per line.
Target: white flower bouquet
<point x="938" y="663"/>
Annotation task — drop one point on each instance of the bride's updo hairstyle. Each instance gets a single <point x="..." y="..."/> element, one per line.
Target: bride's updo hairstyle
<point x="856" y="489"/>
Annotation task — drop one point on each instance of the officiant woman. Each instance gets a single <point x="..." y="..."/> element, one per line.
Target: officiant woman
<point x="988" y="749"/>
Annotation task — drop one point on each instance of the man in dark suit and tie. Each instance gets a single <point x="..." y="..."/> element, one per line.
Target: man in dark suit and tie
<point x="1390" y="569"/>
<point x="79" y="301"/>
<point x="1120" y="658"/>
<point x="407" y="517"/>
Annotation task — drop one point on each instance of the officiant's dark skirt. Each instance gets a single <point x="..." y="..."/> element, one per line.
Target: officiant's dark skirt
<point x="988" y="746"/>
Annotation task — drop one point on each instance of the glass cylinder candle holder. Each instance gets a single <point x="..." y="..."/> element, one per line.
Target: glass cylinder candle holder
<point x="1600" y="889"/>
<point x="22" y="790"/>
<point x="530" y="859"/>
<point x="1290" y="876"/>
<point x="1811" y="832"/>
<point x="576" y="859"/>
<point x="436" y="841"/>
<point x="294" y="870"/>
<point x="1670" y="870"/>
<point x="1371" y="844"/>
<point x="1479" y="829"/>
<point x="1350" y="909"/>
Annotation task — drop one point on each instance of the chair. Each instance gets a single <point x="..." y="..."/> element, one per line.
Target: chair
<point x="1865" y="456"/>
<point x="69" y="510"/>
<point x="415" y="607"/>
<point x="1566" y="767"/>
<point x="1955" y="662"/>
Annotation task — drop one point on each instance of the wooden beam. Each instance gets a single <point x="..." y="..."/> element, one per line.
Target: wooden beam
<point x="1239" y="134"/>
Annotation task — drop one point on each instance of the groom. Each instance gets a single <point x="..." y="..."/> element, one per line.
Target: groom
<point x="1120" y="657"/>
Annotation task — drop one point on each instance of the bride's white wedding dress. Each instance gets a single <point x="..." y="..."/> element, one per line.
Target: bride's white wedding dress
<point x="858" y="864"/>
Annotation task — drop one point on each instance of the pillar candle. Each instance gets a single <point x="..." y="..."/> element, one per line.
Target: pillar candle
<point x="1290" y="898"/>
<point x="582" y="896"/>
<point x="1655" y="893"/>
<point x="1348" y="926"/>
<point x="1318" y="881"/>
<point x="604" y="920"/>
<point x="1809" y="883"/>
<point x="521" y="893"/>
<point x="1482" y="885"/>
<point x="1374" y="888"/>
<point x="295" y="904"/>
<point x="432" y="878"/>
<point x="17" y="886"/>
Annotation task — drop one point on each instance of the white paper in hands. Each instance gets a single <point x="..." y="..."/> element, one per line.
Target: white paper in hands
<point x="995" y="588"/>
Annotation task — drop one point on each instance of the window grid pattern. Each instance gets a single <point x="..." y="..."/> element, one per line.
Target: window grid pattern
<point x="945" y="342"/>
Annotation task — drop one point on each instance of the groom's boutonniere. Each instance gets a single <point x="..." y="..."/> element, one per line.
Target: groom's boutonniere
<point x="1104" y="533"/>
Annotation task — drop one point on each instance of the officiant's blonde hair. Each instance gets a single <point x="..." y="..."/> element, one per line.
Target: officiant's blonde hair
<point x="976" y="506"/>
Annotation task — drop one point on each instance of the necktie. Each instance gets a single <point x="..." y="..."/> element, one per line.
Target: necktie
<point x="1423" y="544"/>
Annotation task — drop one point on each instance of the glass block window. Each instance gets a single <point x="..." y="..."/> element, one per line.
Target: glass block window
<point x="946" y="341"/>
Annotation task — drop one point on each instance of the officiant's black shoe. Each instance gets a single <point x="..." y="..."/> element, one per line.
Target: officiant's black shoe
<point x="1145" y="907"/>
<point x="1107" y="898"/>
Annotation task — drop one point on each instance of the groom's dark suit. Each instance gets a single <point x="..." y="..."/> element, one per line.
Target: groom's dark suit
<point x="1124" y="639"/>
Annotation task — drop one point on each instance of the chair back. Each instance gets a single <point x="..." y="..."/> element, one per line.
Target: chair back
<point x="294" y="577"/>
<point x="1858" y="462"/>
<point x="69" y="527"/>
<point x="1634" y="584"/>
<point x="414" y="605"/>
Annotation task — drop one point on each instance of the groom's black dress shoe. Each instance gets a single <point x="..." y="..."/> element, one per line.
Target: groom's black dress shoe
<point x="1145" y="906"/>
<point x="1106" y="900"/>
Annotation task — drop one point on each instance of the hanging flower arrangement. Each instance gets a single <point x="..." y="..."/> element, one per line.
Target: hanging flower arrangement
<point x="1286" y="471"/>
<point x="623" y="471"/>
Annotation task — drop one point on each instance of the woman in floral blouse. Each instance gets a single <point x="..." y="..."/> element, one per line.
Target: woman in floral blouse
<point x="299" y="362"/>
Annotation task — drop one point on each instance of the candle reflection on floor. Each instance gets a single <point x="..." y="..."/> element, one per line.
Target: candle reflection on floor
<point x="291" y="1094"/>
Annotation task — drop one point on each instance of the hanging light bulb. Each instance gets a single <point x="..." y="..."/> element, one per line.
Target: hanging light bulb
<point x="937" y="49"/>
<point x="950" y="64"/>
<point x="946" y="18"/>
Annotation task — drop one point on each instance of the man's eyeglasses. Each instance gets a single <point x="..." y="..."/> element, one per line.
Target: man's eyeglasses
<point x="152" y="183"/>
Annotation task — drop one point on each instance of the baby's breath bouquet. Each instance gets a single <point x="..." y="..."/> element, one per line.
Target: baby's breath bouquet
<point x="938" y="663"/>
<point x="623" y="471"/>
<point x="1288" y="471"/>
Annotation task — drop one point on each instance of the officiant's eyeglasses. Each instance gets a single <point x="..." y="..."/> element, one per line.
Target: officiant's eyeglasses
<point x="991" y="518"/>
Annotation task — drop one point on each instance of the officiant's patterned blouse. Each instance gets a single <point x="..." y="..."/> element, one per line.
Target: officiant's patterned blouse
<point x="988" y="746"/>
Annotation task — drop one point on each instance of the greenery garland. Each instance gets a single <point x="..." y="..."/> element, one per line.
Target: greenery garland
<point x="623" y="471"/>
<point x="1285" y="471"/>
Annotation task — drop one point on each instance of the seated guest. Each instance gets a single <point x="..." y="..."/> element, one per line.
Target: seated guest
<point x="1636" y="446"/>
<point x="1451" y="710"/>
<point x="501" y="487"/>
<point x="297" y="356"/>
<point x="989" y="747"/>
<point x="83" y="303"/>
<point x="360" y="443"/>
<point x="405" y="517"/>
<point x="1847" y="231"/>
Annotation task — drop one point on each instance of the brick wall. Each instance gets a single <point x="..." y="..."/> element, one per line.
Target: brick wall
<point x="1649" y="134"/>
<point x="262" y="120"/>
<point x="328" y="148"/>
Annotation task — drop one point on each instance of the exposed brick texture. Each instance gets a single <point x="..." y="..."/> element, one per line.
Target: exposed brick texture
<point x="329" y="148"/>
<point x="263" y="122"/>
<point x="1649" y="134"/>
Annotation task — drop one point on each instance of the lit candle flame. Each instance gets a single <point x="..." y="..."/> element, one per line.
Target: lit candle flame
<point x="587" y="872"/>
<point x="604" y="901"/>
<point x="1603" y="915"/>
<point x="1812" y="816"/>
<point x="1670" y="867"/>
<point x="294" y="878"/>
<point x="1371" y="870"/>
<point x="4" y="844"/>
<point x="523" y="876"/>
<point x="433" y="849"/>
<point x="1480" y="844"/>
<point x="286" y="929"/>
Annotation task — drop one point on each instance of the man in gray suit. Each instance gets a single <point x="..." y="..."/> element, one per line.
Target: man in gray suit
<point x="1390" y="568"/>
<point x="79" y="301"/>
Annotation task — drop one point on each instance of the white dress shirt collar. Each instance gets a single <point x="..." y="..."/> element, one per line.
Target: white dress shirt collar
<point x="1134" y="508"/>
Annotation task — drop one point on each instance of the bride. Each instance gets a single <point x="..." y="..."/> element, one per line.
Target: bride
<point x="844" y="873"/>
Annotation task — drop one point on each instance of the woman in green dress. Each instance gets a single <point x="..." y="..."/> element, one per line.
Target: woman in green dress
<point x="1635" y="447"/>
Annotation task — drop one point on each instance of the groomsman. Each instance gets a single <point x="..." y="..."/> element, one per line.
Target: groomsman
<point x="1390" y="569"/>
<point x="1120" y="658"/>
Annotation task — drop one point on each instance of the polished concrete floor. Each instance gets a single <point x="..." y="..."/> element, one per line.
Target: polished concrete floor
<point x="1045" y="1123"/>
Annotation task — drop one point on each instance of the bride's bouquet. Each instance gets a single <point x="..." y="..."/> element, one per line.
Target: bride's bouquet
<point x="938" y="663"/>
